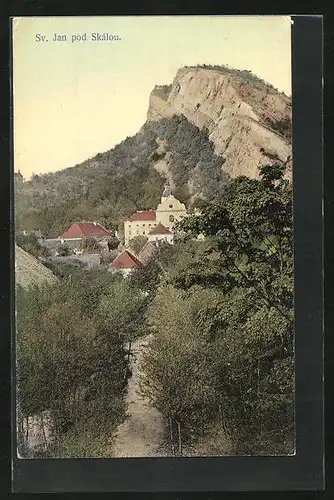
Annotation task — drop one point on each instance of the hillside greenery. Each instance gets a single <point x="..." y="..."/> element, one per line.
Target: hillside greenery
<point x="114" y="184"/>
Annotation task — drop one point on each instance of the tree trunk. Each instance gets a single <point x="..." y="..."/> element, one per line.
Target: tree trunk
<point x="171" y="435"/>
<point x="281" y="254"/>
<point x="27" y="429"/>
<point x="222" y="419"/>
<point x="180" y="439"/>
<point x="127" y="367"/>
<point x="129" y="353"/>
<point x="43" y="430"/>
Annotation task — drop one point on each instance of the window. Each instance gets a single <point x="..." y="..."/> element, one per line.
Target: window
<point x="171" y="218"/>
<point x="143" y="232"/>
<point x="137" y="232"/>
<point x="137" y="225"/>
<point x="170" y="206"/>
<point x="150" y="225"/>
<point x="129" y="226"/>
<point x="143" y="225"/>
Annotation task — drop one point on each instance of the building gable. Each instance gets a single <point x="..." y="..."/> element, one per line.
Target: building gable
<point x="160" y="229"/>
<point x="125" y="260"/>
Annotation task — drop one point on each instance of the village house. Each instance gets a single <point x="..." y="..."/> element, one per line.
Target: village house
<point x="126" y="263"/>
<point x="159" y="234"/>
<point x="79" y="231"/>
<point x="169" y="211"/>
<point x="140" y="223"/>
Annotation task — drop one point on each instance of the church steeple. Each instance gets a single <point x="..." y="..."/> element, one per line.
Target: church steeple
<point x="167" y="192"/>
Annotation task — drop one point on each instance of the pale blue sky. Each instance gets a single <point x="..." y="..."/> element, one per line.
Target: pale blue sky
<point x="73" y="100"/>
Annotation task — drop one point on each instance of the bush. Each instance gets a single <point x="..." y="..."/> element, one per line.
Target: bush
<point x="90" y="245"/>
<point x="137" y="243"/>
<point x="113" y="243"/>
<point x="64" y="250"/>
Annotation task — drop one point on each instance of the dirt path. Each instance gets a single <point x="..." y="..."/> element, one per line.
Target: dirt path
<point x="142" y="434"/>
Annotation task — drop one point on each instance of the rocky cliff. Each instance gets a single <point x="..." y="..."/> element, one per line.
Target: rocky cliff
<point x="248" y="121"/>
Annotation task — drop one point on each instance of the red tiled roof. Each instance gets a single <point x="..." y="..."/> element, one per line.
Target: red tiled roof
<point x="125" y="260"/>
<point x="143" y="215"/>
<point x="160" y="229"/>
<point x="85" y="230"/>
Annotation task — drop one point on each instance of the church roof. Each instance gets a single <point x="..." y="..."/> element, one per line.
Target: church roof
<point x="143" y="215"/>
<point x="125" y="260"/>
<point x="160" y="229"/>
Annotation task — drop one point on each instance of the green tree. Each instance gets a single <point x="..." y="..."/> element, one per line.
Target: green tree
<point x="125" y="318"/>
<point x="30" y="244"/>
<point x="147" y="278"/>
<point x="252" y="228"/>
<point x="179" y="366"/>
<point x="137" y="243"/>
<point x="64" y="250"/>
<point x="113" y="243"/>
<point x="231" y="302"/>
<point x="91" y="245"/>
<point x="71" y="363"/>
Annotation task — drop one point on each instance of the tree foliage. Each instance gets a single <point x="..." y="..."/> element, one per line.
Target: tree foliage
<point x="137" y="243"/>
<point x="91" y="245"/>
<point x="72" y="360"/>
<point x="64" y="250"/>
<point x="222" y="351"/>
<point x="30" y="244"/>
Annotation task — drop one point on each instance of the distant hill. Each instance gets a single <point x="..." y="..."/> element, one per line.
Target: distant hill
<point x="211" y="124"/>
<point x="29" y="271"/>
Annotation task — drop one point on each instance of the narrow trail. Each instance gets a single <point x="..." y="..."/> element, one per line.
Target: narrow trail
<point x="142" y="433"/>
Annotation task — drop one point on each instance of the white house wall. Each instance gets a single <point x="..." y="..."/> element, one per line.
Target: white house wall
<point x="161" y="237"/>
<point x="137" y="228"/>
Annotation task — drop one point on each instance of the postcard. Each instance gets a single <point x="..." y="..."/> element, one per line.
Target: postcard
<point x="154" y="257"/>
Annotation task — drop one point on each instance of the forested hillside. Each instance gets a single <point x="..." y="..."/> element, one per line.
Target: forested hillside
<point x="113" y="184"/>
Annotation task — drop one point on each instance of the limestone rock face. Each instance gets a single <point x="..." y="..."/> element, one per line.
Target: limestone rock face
<point x="242" y="119"/>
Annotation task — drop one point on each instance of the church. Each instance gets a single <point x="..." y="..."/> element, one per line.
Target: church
<point x="157" y="224"/>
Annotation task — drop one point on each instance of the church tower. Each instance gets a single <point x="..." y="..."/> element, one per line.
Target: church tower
<point x="167" y="192"/>
<point x="170" y="210"/>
